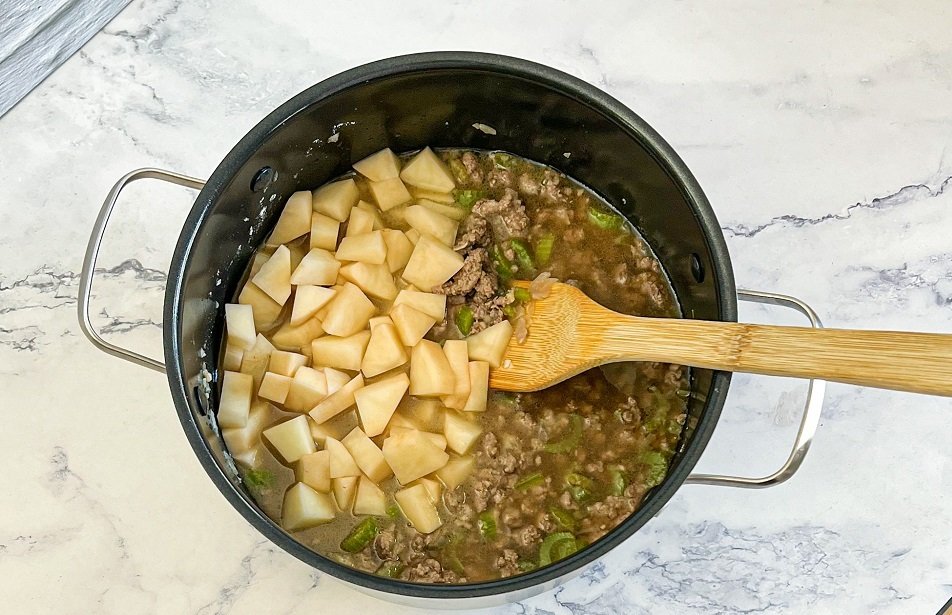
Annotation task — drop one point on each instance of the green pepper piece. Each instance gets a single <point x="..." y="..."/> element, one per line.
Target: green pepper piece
<point x="563" y="518"/>
<point x="523" y="256"/>
<point x="563" y="549"/>
<point x="522" y="294"/>
<point x="571" y="441"/>
<point x="452" y="557"/>
<point x="464" y="320"/>
<point x="546" y="548"/>
<point x="526" y="565"/>
<point x="467" y="198"/>
<point x="657" y="467"/>
<point x="502" y="160"/>
<point x="543" y="249"/>
<point x="509" y="311"/>
<point x="618" y="481"/>
<point x="530" y="480"/>
<point x="459" y="170"/>
<point x="604" y="219"/>
<point x="487" y="525"/>
<point x="361" y="536"/>
<point x="503" y="266"/>
<point x="258" y="480"/>
<point x="579" y="486"/>
<point x="390" y="570"/>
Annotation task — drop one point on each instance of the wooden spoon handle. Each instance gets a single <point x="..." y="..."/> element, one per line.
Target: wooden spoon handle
<point x="915" y="362"/>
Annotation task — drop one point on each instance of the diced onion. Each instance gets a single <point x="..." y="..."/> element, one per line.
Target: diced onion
<point x="542" y="285"/>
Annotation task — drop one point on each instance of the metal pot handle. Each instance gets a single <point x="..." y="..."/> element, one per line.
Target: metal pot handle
<point x="808" y="423"/>
<point x="92" y="253"/>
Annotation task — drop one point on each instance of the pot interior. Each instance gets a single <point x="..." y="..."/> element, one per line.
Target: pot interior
<point x="435" y="100"/>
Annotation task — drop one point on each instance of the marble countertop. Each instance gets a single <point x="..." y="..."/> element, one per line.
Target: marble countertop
<point x="819" y="132"/>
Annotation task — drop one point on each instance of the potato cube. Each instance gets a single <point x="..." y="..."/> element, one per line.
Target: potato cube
<point x="377" y="402"/>
<point x="235" y="403"/>
<point x="295" y="219"/>
<point x="456" y="471"/>
<point x="286" y="363"/>
<point x="255" y="361"/>
<point x="438" y="440"/>
<point x="361" y="221"/>
<point x="412" y="455"/>
<point x="324" y="232"/>
<point x="298" y="249"/>
<point x="411" y="323"/>
<point x="314" y="470"/>
<point x="432" y="304"/>
<point x="340" y="352"/>
<point x="413" y="236"/>
<point x="274" y="277"/>
<point x="431" y="264"/>
<point x="379" y="166"/>
<point x="291" y="439"/>
<point x="322" y="432"/>
<point x="374" y="280"/>
<point x="372" y="209"/>
<point x="274" y="387"/>
<point x="348" y="312"/>
<point x="266" y="310"/>
<point x="335" y="379"/>
<point x="370" y="499"/>
<point x="308" y="387"/>
<point x="303" y="508"/>
<point x="399" y="249"/>
<point x="240" y="324"/>
<point x="450" y="211"/>
<point x="479" y="387"/>
<point x="341" y="461"/>
<point x="461" y="433"/>
<point x="384" y="352"/>
<point x="427" y="413"/>
<point x="242" y="439"/>
<point x="458" y="357"/>
<point x="428" y="222"/>
<point x="445" y="198"/>
<point x="318" y="268"/>
<point x="389" y="193"/>
<point x="345" y="488"/>
<point x="433" y="487"/>
<point x="374" y="322"/>
<point x="368" y="457"/>
<point x="308" y="299"/>
<point x="427" y="171"/>
<point x="490" y="344"/>
<point x="232" y="358"/>
<point x="419" y="510"/>
<point x="336" y="199"/>
<point x="250" y="458"/>
<point x="430" y="372"/>
<point x="292" y="338"/>
<point x="367" y="248"/>
<point x="338" y="401"/>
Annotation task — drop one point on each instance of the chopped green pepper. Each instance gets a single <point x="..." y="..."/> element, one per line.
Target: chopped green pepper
<point x="459" y="170"/>
<point x="259" y="480"/>
<point x="522" y="294"/>
<point x="657" y="467"/>
<point x="487" y="525"/>
<point x="563" y="549"/>
<point x="618" y="481"/>
<point x="503" y="266"/>
<point x="530" y="480"/>
<point x="452" y="557"/>
<point x="571" y="441"/>
<point x="563" y="518"/>
<point x="579" y="486"/>
<point x="604" y="219"/>
<point x="468" y="198"/>
<point x="464" y="320"/>
<point x="526" y="565"/>
<point x="393" y="511"/>
<point x="520" y="250"/>
<point x="510" y="311"/>
<point x="501" y="160"/>
<point x="391" y="570"/>
<point x="361" y="536"/>
<point x="547" y="554"/>
<point x="543" y="249"/>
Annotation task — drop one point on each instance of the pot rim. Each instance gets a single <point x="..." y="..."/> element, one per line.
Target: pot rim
<point x="560" y="82"/>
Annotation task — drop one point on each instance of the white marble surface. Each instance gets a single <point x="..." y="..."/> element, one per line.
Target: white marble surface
<point x="819" y="131"/>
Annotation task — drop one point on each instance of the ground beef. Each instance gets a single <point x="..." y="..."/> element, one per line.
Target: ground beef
<point x="528" y="185"/>
<point x="499" y="178"/>
<point x="551" y="191"/>
<point x="474" y="232"/>
<point x="385" y="544"/>
<point x="510" y="210"/>
<point x="431" y="571"/>
<point x="472" y="168"/>
<point x="608" y="513"/>
<point x="490" y="444"/>
<point x="489" y="312"/>
<point x="466" y="278"/>
<point x="574" y="234"/>
<point x="508" y="463"/>
<point x="508" y="563"/>
<point x="528" y="535"/>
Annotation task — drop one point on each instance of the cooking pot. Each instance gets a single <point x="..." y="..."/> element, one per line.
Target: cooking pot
<point x="451" y="99"/>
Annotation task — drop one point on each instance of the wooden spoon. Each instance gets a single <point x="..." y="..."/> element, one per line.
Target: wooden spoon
<point x="569" y="333"/>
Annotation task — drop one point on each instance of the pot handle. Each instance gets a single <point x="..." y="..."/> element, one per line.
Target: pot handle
<point x="92" y="254"/>
<point x="808" y="422"/>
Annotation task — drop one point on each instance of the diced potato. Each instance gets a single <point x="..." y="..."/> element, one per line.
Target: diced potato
<point x="361" y="221"/>
<point x="295" y="219"/>
<point x="377" y="402"/>
<point x="450" y="211"/>
<point x="433" y="487"/>
<point x="431" y="263"/>
<point x="490" y="344"/>
<point x="286" y="363"/>
<point x="232" y="357"/>
<point x="456" y="471"/>
<point x="433" y="304"/>
<point x="371" y="208"/>
<point x="348" y="312"/>
<point x="322" y="432"/>
<point x="290" y="337"/>
<point x="340" y="352"/>
<point x="368" y="457"/>
<point x="461" y="433"/>
<point x="291" y="439"/>
<point x="274" y="387"/>
<point x="370" y="499"/>
<point x="240" y="324"/>
<point x="338" y="401"/>
<point x="335" y="379"/>
<point x="384" y="352"/>
<point x="419" y="510"/>
<point x="389" y="193"/>
<point x="250" y="458"/>
<point x="303" y="508"/>
<point x="458" y="357"/>
<point x="314" y="470"/>
<point x="399" y="249"/>
<point x="413" y="236"/>
<point x="267" y="311"/>
<point x="366" y="248"/>
<point x="255" y="361"/>
<point x="324" y="232"/>
<point x="260" y="258"/>
<point x="379" y="320"/>
<point x="411" y="455"/>
<point x="374" y="280"/>
<point x="274" y="277"/>
<point x="479" y="386"/>
<point x="336" y="199"/>
<point x="439" y="440"/>
<point x="427" y="171"/>
<point x="400" y="420"/>
<point x="242" y="439"/>
<point x="341" y="461"/>
<point x="235" y="402"/>
<point x="318" y="268"/>
<point x="427" y="413"/>
<point x="428" y="222"/>
<point x="430" y="372"/>
<point x="308" y="299"/>
<point x="380" y="166"/>
<point x="298" y="249"/>
<point x="308" y="387"/>
<point x="345" y="488"/>
<point x="411" y="323"/>
<point x="446" y="198"/>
